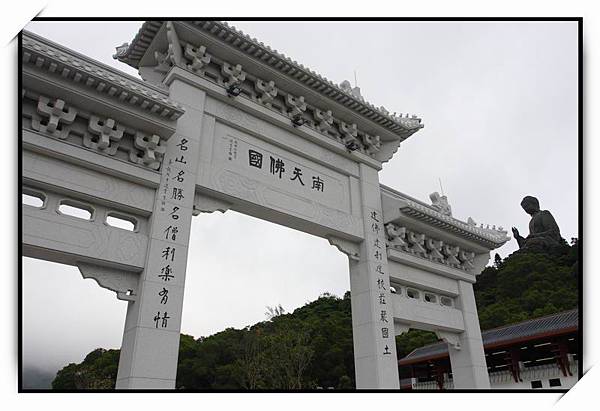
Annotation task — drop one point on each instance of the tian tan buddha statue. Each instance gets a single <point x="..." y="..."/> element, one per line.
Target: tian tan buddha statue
<point x="543" y="230"/>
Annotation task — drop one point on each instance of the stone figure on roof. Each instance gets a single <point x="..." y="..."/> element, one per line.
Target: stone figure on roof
<point x="543" y="230"/>
<point x="354" y="91"/>
<point x="440" y="203"/>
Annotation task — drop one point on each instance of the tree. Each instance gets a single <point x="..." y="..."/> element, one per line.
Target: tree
<point x="97" y="371"/>
<point x="249" y="362"/>
<point x="286" y="358"/>
<point x="345" y="383"/>
<point x="65" y="378"/>
<point x="497" y="260"/>
<point x="407" y="342"/>
<point x="526" y="285"/>
<point x="275" y="311"/>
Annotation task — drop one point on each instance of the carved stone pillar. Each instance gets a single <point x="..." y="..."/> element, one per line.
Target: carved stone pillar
<point x="150" y="345"/>
<point x="375" y="360"/>
<point x="469" y="369"/>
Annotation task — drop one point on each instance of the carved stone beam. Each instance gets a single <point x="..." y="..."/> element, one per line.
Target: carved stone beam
<point x="451" y="338"/>
<point x="451" y="252"/>
<point x="372" y="144"/>
<point x="349" y="136"/>
<point x="324" y="120"/>
<point x="296" y="106"/>
<point x="198" y="56"/>
<point x="435" y="250"/>
<point x="122" y="282"/>
<point x="267" y="91"/>
<point x="58" y="114"/>
<point x="109" y="135"/>
<point x="152" y="148"/>
<point x="417" y="242"/>
<point x="234" y="74"/>
<point x="396" y="236"/>
<point x="466" y="259"/>
<point x="352" y="250"/>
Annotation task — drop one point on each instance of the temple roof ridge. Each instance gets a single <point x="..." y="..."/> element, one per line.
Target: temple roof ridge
<point x="423" y="211"/>
<point x="301" y="66"/>
<point x="78" y="68"/>
<point x="131" y="54"/>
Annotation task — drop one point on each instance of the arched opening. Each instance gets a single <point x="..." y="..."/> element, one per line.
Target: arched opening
<point x="238" y="266"/>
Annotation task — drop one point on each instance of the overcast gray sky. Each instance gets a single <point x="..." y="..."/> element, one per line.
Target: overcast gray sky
<point x="499" y="104"/>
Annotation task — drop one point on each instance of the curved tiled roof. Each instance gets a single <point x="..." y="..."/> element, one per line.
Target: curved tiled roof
<point x="481" y="235"/>
<point x="133" y="53"/>
<point x="565" y="320"/>
<point x="75" y="67"/>
<point x="414" y="208"/>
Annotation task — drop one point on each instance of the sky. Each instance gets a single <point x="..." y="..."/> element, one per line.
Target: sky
<point x="499" y="104"/>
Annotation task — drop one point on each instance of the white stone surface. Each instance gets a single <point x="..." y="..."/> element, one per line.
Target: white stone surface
<point x="238" y="153"/>
<point x="469" y="368"/>
<point x="372" y="313"/>
<point x="424" y="315"/>
<point x="151" y="338"/>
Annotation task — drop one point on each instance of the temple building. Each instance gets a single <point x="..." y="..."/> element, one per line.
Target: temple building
<point x="538" y="353"/>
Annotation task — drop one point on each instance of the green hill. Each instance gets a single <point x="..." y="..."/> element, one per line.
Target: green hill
<point x="308" y="348"/>
<point x="312" y="347"/>
<point x="527" y="285"/>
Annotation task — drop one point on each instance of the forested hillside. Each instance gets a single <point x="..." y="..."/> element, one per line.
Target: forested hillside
<point x="527" y="285"/>
<point x="312" y="347"/>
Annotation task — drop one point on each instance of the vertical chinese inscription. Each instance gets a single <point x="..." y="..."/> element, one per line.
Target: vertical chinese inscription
<point x="376" y="247"/>
<point x="172" y="231"/>
<point x="151" y="341"/>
